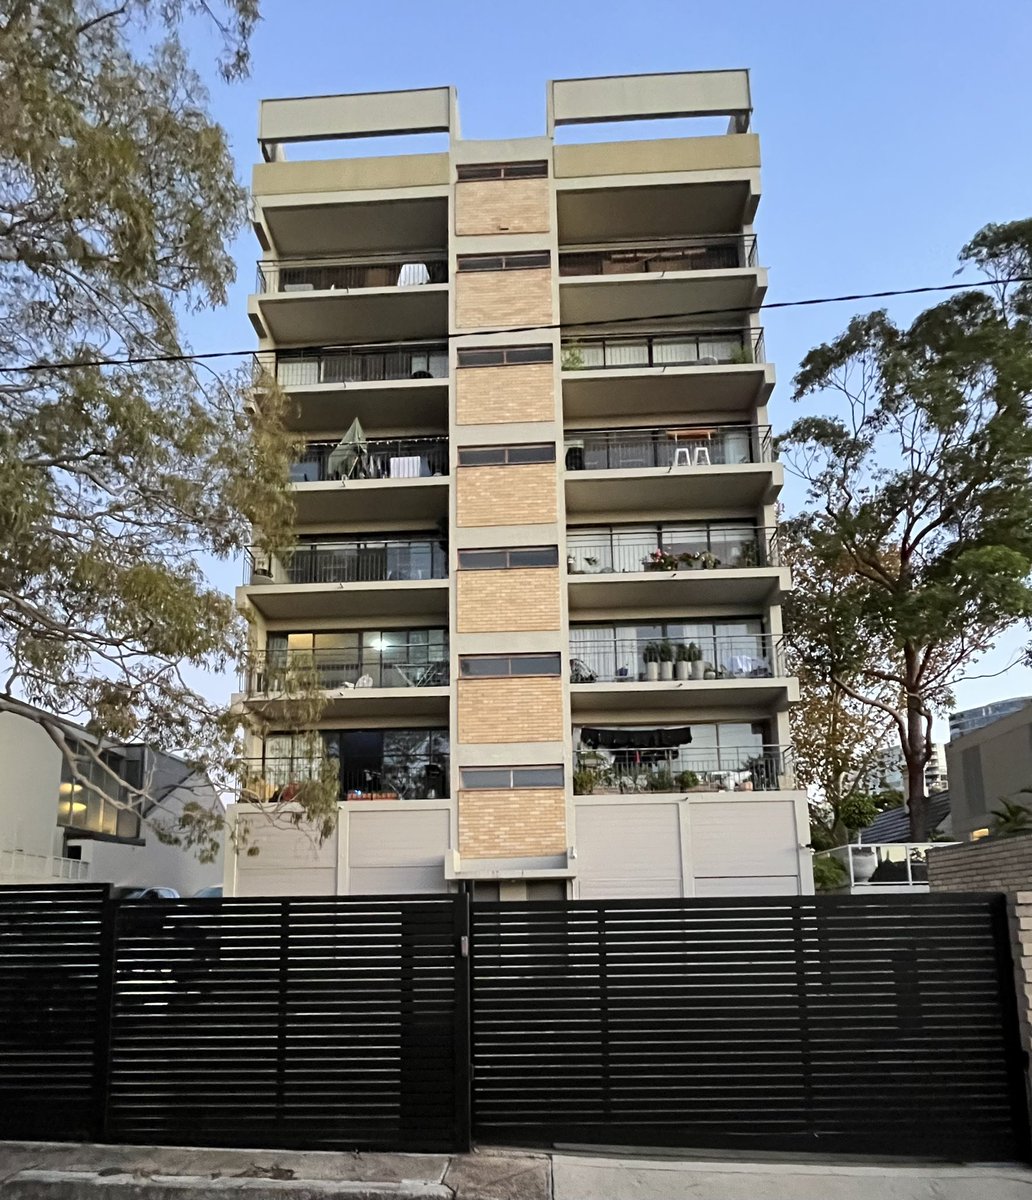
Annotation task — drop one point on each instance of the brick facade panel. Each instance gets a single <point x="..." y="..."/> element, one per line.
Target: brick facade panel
<point x="496" y="395"/>
<point x="521" y="601"/>
<point x="988" y="865"/>
<point x="521" y="823"/>
<point x="489" y="299"/>
<point x="501" y="206"/>
<point x="523" y="495"/>
<point x="511" y="710"/>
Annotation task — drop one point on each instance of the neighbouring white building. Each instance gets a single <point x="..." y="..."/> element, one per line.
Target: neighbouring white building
<point x="53" y="829"/>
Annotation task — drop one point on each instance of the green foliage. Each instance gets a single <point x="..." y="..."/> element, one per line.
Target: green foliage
<point x="661" y="781"/>
<point x="828" y="873"/>
<point x="651" y="652"/>
<point x="919" y="497"/>
<point x="1011" y="819"/>
<point x="117" y="205"/>
<point x="666" y="650"/>
<point x="686" y="780"/>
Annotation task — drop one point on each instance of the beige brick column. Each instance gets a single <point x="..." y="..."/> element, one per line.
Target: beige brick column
<point x="1019" y="907"/>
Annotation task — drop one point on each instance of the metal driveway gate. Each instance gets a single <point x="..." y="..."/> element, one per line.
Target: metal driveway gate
<point x="883" y="1025"/>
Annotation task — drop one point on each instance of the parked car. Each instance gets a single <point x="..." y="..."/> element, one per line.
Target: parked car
<point x="209" y="893"/>
<point x="151" y="893"/>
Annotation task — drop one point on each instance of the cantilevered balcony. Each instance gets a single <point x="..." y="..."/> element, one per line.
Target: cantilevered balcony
<point x="397" y="385"/>
<point x="646" y="566"/>
<point x="358" y="299"/>
<point x="416" y="776"/>
<point x="360" y="576"/>
<point x="668" y="468"/>
<point x="664" y="279"/>
<point x="631" y="770"/>
<point x="618" y="672"/>
<point x="682" y="371"/>
<point x="374" y="681"/>
<point x="401" y="479"/>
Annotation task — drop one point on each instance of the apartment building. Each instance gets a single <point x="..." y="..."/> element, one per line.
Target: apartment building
<point x="538" y="572"/>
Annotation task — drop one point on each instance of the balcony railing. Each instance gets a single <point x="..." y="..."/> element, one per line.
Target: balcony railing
<point x="628" y="659"/>
<point x="329" y="274"/>
<point x="347" y="364"/>
<point x="370" y="560"/>
<point x="711" y="252"/>
<point x="630" y="449"/>
<point x="883" y="864"/>
<point x="333" y="670"/>
<point x="692" y="348"/>
<point x="630" y="772"/>
<point x="613" y="551"/>
<point x="17" y="864"/>
<point x="280" y="780"/>
<point x="378" y="458"/>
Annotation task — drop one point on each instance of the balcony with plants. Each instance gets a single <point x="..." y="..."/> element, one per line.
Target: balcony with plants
<point x="365" y="765"/>
<point x="658" y="277"/>
<point x="402" y="294"/>
<point x="669" y="467"/>
<point x="642" y="760"/>
<point x="613" y="376"/>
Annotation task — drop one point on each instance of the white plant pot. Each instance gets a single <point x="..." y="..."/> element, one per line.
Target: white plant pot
<point x="865" y="863"/>
<point x="651" y="671"/>
<point x="666" y="670"/>
<point x="681" y="670"/>
<point x="698" y="669"/>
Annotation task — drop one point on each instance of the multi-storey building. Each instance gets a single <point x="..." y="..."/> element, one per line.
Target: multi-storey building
<point x="538" y="573"/>
<point x="967" y="720"/>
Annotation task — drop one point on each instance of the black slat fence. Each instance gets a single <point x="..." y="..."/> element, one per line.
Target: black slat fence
<point x="880" y="1026"/>
<point x="863" y="1025"/>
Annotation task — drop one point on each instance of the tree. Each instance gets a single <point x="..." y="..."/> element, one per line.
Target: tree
<point x="121" y="460"/>
<point x="920" y="492"/>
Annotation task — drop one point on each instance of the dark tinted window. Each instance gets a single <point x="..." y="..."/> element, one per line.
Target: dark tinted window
<point x="483" y="778"/>
<point x="512" y="777"/>
<point x="499" y="665"/>
<point x="493" y="457"/>
<point x="534" y="664"/>
<point x="498" y="456"/>
<point x="483" y="560"/>
<point x="504" y="262"/>
<point x="517" y="170"/>
<point x="543" y="556"/>
<point x="504" y="356"/>
<point x="532" y="454"/>
<point x="531" y="777"/>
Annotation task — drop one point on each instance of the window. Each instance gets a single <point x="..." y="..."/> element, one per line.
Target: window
<point x="349" y="658"/>
<point x="507" y="456"/>
<point x="505" y="356"/>
<point x="517" y="170"/>
<point x="107" y="807"/>
<point x="500" y="560"/>
<point x="479" y="778"/>
<point x="528" y="260"/>
<point x="497" y="666"/>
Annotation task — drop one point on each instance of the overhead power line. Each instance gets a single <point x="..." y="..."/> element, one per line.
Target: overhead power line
<point x="562" y="326"/>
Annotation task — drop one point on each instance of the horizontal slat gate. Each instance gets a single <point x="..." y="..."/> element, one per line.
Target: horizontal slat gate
<point x="879" y="1025"/>
<point x="322" y="1023"/>
<point x="51" y="945"/>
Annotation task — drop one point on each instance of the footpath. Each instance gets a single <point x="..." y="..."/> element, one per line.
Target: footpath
<point x="59" y="1171"/>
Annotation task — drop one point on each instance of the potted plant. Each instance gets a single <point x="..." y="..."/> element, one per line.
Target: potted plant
<point x="708" y="561"/>
<point x="666" y="659"/>
<point x="572" y="357"/>
<point x="661" y="560"/>
<point x="695" y="658"/>
<point x="661" y="781"/>
<point x="710" y="671"/>
<point x="682" y="662"/>
<point x="687" y="781"/>
<point x="865" y="862"/>
<point x="651" y="656"/>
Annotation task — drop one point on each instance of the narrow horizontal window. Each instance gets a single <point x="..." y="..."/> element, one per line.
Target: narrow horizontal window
<point x="480" y="778"/>
<point x="505" y="356"/>
<point x="504" y="262"/>
<point x="534" y="556"/>
<point x="517" y="170"/>
<point x="507" y="456"/>
<point x="499" y="560"/>
<point x="496" y="666"/>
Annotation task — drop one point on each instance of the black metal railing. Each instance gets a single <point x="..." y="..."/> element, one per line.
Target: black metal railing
<point x="735" y="769"/>
<point x="691" y="348"/>
<point x="673" y="548"/>
<point x="710" y="252"/>
<point x="698" y="446"/>
<point x="623" y="657"/>
<point x="352" y="364"/>
<point x="369" y="560"/>
<point x="330" y="273"/>
<point x="285" y="670"/>
<point x="401" y="777"/>
<point x="377" y="458"/>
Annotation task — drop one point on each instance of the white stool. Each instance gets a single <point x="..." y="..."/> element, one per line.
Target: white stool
<point x="682" y="456"/>
<point x="702" y="456"/>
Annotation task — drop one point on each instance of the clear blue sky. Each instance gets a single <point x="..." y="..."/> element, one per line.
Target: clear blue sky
<point x="890" y="132"/>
